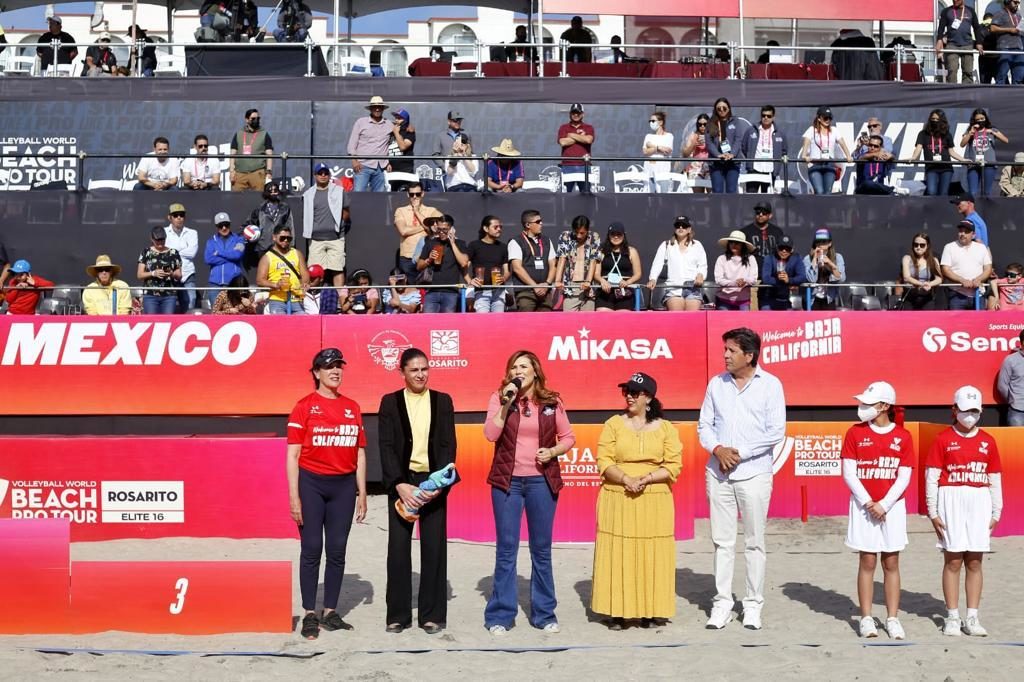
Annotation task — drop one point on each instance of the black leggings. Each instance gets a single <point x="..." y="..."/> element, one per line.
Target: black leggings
<point x="328" y="505"/>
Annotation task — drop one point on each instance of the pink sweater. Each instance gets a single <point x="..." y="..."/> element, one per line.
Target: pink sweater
<point x="528" y="438"/>
<point x="728" y="271"/>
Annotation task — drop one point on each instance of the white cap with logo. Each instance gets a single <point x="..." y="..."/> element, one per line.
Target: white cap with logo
<point x="878" y="392"/>
<point x="967" y="398"/>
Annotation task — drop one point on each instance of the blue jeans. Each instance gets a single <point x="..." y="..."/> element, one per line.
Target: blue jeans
<point x="489" y="301"/>
<point x="281" y="36"/>
<point x="1010" y="65"/>
<point x="936" y="182"/>
<point x="187" y="296"/>
<point x="440" y="301"/>
<point x="974" y="180"/>
<point x="370" y="179"/>
<point x="725" y="177"/>
<point x="1014" y="417"/>
<point x="958" y="301"/>
<point x="158" y="305"/>
<point x="281" y="307"/>
<point x="533" y="493"/>
<point x="822" y="176"/>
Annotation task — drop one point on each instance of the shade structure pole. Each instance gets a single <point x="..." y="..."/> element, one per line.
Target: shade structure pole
<point x="540" y="38"/>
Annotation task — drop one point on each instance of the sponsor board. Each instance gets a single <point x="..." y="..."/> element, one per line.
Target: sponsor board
<point x="817" y="455"/>
<point x="84" y="501"/>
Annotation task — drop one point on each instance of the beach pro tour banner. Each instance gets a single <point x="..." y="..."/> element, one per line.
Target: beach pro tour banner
<point x="219" y="365"/>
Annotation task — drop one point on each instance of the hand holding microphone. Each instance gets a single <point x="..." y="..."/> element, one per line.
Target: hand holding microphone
<point x="511" y="390"/>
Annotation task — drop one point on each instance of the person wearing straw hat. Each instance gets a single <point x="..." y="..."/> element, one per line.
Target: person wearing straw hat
<point x="735" y="272"/>
<point x="98" y="298"/>
<point x="505" y="173"/>
<point x="371" y="136"/>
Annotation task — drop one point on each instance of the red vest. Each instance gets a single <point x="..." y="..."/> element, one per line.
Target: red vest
<point x="505" y="451"/>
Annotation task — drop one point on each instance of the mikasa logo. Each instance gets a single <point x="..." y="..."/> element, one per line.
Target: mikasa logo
<point x="586" y="348"/>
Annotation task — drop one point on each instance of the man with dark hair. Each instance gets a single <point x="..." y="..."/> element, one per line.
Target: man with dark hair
<point x="442" y="261"/>
<point x="874" y="167"/>
<point x="762" y="233"/>
<point x="255" y="167"/>
<point x="767" y="142"/>
<point x="1006" y="26"/>
<point x="958" y="32"/>
<point x="531" y="258"/>
<point x="66" y="53"/>
<point x="411" y="224"/>
<point x="576" y="34"/>
<point x="201" y="171"/>
<point x="416" y="436"/>
<point x="1010" y="384"/>
<point x="575" y="139"/>
<point x="282" y="269"/>
<point x="158" y="170"/>
<point x="742" y="419"/>
<point x="488" y="265"/>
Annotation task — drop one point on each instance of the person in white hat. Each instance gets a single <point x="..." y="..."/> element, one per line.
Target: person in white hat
<point x="371" y="136"/>
<point x="100" y="59"/>
<point x="878" y="459"/>
<point x="735" y="272"/>
<point x="66" y="53"/>
<point x="964" y="495"/>
<point x="1011" y="178"/>
<point x="99" y="297"/>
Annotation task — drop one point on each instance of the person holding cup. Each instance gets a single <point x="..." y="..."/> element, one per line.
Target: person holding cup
<point x="783" y="270"/>
<point x="488" y="265"/>
<point x="442" y="261"/>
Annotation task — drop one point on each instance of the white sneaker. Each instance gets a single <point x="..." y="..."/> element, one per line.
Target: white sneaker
<point x="552" y="627"/>
<point x="973" y="628"/>
<point x="952" y="627"/>
<point x="498" y="630"/>
<point x="720" y="617"/>
<point x="895" y="628"/>
<point x="867" y="627"/>
<point x="752" y="619"/>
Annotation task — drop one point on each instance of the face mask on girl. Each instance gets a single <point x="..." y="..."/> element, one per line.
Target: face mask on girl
<point x="968" y="419"/>
<point x="867" y="413"/>
<point x="655" y="125"/>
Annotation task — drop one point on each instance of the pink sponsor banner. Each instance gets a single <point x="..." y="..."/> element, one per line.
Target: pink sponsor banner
<point x="35" y="556"/>
<point x="112" y="488"/>
<point x="871" y="10"/>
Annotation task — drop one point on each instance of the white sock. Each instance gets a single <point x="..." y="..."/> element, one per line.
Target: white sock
<point x="972" y="613"/>
<point x="892" y="618"/>
<point x="953" y="613"/>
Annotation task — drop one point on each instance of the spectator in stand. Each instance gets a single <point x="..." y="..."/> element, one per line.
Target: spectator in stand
<point x="783" y="271"/>
<point x="444" y="143"/>
<point x="620" y="270"/>
<point x="23" y="290"/>
<point x="255" y="167"/>
<point x="487" y="268"/>
<point x="988" y="64"/>
<point x="185" y="241"/>
<point x="400" y="298"/>
<point x="235" y="301"/>
<point x="577" y="35"/>
<point x="578" y="255"/>
<point x="442" y="261"/>
<point x="725" y="140"/>
<point x="160" y="268"/>
<point x="158" y="170"/>
<point x="201" y="171"/>
<point x="619" y="55"/>
<point x="320" y="300"/>
<point x="735" y="272"/>
<point x="1008" y="291"/>
<point x="765" y="142"/>
<point x="370" y="136"/>
<point x="965" y="206"/>
<point x="147" y="65"/>
<point x="1006" y="26"/>
<point x="520" y="54"/>
<point x="411" y="223"/>
<point x="66" y="53"/>
<point x="224" y="253"/>
<point x="1011" y="178"/>
<point x="505" y="174"/>
<point x="873" y="169"/>
<point x="873" y="126"/>
<point x="824" y="265"/>
<point x="575" y="138"/>
<point x="282" y="269"/>
<point x="979" y="147"/>
<point x="765" y="57"/>
<point x="1010" y="383"/>
<point x="921" y="270"/>
<point x="461" y="172"/>
<point x="967" y="262"/>
<point x="324" y="218"/>
<point x="270" y="215"/>
<point x="696" y="147"/>
<point x="821" y="148"/>
<point x="99" y="297"/>
<point x="936" y="143"/>
<point x="658" y="144"/>
<point x="686" y="263"/>
<point x="402" y="143"/>
<point x="293" y="22"/>
<point x="531" y="258"/>
<point x="763" y="233"/>
<point x="359" y="297"/>
<point x="958" y="35"/>
<point x="100" y="59"/>
<point x="856" y="65"/>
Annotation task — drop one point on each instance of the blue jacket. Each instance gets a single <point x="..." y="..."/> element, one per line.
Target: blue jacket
<point x="794" y="268"/>
<point x="224" y="256"/>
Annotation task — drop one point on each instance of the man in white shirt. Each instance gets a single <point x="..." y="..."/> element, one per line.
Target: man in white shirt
<point x="966" y="262"/>
<point x="201" y="171"/>
<point x="158" y="170"/>
<point x="742" y="419"/>
<point x="185" y="241"/>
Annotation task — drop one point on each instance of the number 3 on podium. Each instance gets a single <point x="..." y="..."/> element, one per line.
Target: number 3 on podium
<point x="182" y="587"/>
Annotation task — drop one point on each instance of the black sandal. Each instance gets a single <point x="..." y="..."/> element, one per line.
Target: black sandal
<point x="332" y="621"/>
<point x="617" y="624"/>
<point x="310" y="626"/>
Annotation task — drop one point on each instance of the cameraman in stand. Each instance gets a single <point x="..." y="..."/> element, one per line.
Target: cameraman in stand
<point x="293" y="22"/>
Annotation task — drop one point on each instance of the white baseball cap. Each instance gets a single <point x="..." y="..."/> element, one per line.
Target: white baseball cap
<point x="878" y="392"/>
<point x="967" y="398"/>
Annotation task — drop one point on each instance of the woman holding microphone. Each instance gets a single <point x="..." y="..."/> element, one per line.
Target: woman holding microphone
<point x="530" y="430"/>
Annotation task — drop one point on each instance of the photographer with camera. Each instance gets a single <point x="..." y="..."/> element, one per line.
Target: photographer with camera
<point x="461" y="172"/>
<point x="293" y="22"/>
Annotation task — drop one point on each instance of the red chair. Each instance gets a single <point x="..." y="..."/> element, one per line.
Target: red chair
<point x="821" y="72"/>
<point x="552" y="69"/>
<point x="909" y="73"/>
<point x="757" y="72"/>
<point x="787" y="72"/>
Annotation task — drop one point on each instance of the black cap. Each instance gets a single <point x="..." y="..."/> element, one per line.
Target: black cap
<point x="641" y="382"/>
<point x="786" y="240"/>
<point x="454" y="115"/>
<point x="965" y="196"/>
<point x="616" y="227"/>
<point x="326" y="358"/>
<point x="158" y="233"/>
<point x="825" y="112"/>
<point x="682" y="221"/>
<point x="966" y="225"/>
<point x="576" y="108"/>
<point x="763" y="206"/>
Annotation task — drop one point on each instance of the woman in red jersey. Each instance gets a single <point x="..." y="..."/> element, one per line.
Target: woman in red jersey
<point x="964" y="492"/>
<point x="878" y="458"/>
<point x="326" y="484"/>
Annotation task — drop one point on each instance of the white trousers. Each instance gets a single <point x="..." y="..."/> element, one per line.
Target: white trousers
<point x="750" y="500"/>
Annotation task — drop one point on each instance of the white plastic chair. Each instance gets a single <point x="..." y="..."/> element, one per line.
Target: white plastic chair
<point x="395" y="176"/>
<point x="680" y="182"/>
<point x="354" y="66"/>
<point x="168" y="65"/>
<point x="62" y="70"/>
<point x="637" y="181"/>
<point x="111" y="184"/>
<point x="580" y="176"/>
<point x="701" y="182"/>
<point x="21" y="66"/>
<point x="764" y="178"/>
<point x="542" y="185"/>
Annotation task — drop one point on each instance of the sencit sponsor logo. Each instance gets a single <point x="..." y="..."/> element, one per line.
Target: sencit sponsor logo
<point x="133" y="343"/>
<point x="935" y="340"/>
<point x="582" y="347"/>
<point x="812" y="339"/>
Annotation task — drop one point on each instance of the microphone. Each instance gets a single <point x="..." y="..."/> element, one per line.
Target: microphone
<point x="511" y="394"/>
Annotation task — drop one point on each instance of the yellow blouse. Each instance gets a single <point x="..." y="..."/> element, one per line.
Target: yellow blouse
<point x="638" y="453"/>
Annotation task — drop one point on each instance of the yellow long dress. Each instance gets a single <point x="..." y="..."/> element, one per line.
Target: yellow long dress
<point x="635" y="551"/>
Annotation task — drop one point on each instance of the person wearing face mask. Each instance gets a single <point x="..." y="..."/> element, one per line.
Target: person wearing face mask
<point x="964" y="494"/>
<point x="878" y="458"/>
<point x="658" y="144"/>
<point x="979" y="143"/>
<point x="254" y="168"/>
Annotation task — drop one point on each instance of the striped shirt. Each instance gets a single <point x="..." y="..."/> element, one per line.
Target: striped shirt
<point x="751" y="419"/>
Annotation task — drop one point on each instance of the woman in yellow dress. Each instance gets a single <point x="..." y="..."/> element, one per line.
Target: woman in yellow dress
<point x="639" y="456"/>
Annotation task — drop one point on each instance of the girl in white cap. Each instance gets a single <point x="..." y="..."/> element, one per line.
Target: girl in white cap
<point x="878" y="458"/>
<point x="964" y="493"/>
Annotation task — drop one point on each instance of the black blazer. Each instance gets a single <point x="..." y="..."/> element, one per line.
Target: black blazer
<point x="394" y="436"/>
